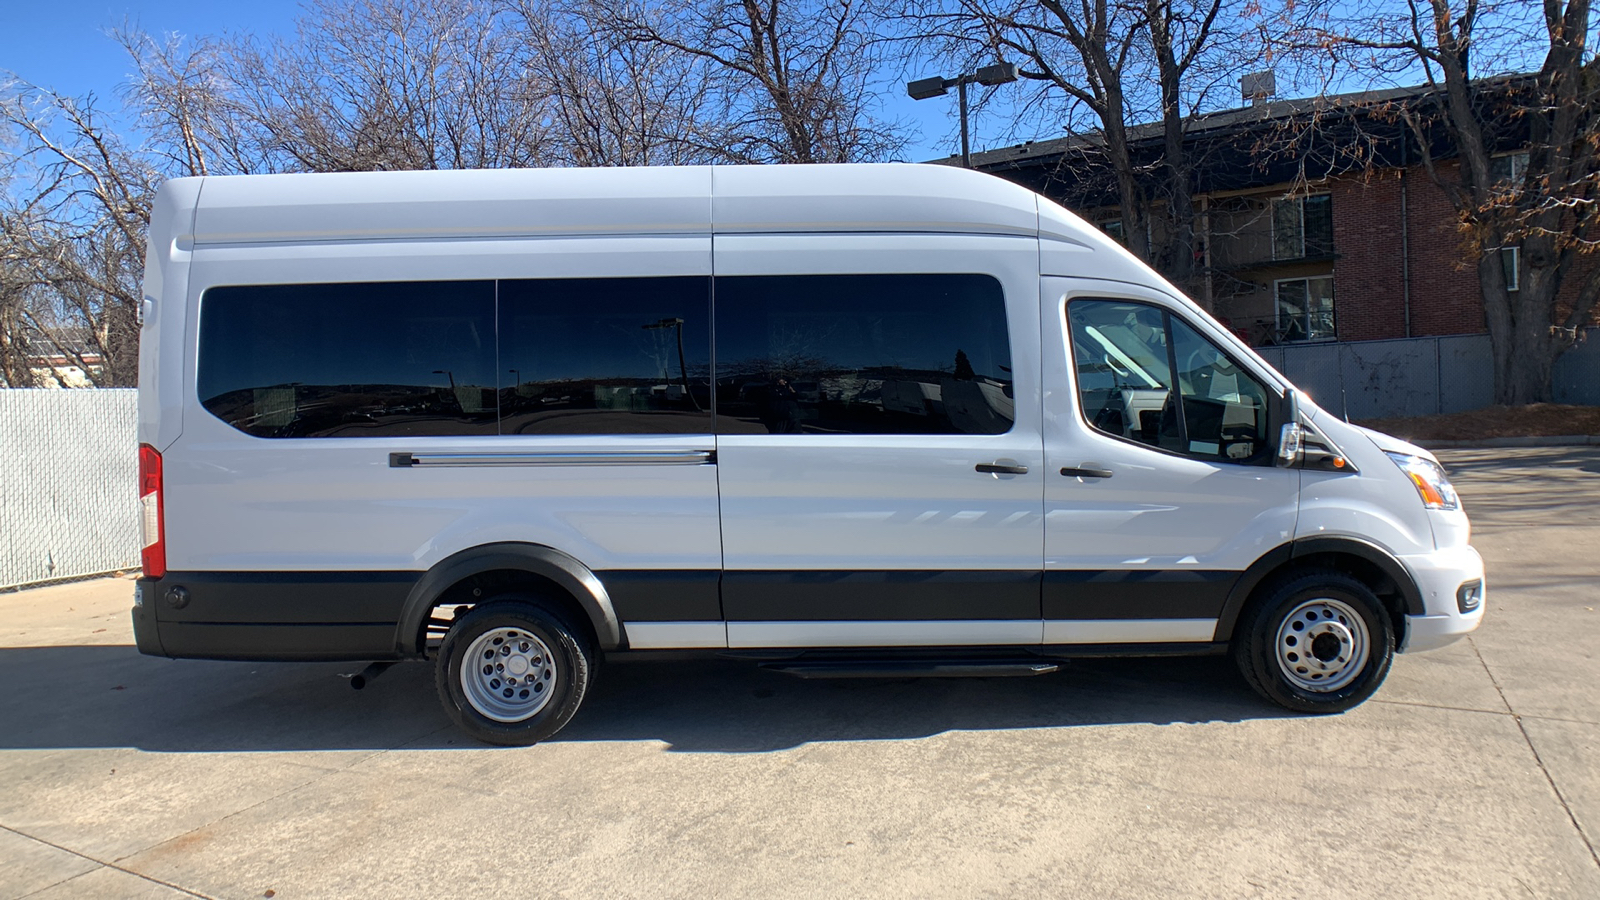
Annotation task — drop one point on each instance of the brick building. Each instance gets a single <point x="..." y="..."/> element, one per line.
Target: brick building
<point x="1297" y="240"/>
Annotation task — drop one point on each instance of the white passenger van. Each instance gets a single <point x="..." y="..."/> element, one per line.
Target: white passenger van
<point x="844" y="420"/>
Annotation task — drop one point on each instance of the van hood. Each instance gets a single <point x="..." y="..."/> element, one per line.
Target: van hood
<point x="1388" y="443"/>
<point x="1336" y="428"/>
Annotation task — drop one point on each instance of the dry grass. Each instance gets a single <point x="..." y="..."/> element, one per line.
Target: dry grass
<point x="1536" y="420"/>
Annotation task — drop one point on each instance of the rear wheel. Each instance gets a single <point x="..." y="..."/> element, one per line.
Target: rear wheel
<point x="513" y="672"/>
<point x="1316" y="641"/>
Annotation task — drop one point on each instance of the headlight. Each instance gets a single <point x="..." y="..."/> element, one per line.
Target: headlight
<point x="1431" y="482"/>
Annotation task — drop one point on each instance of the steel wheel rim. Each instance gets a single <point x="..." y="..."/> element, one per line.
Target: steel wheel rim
<point x="1322" y="645"/>
<point x="508" y="674"/>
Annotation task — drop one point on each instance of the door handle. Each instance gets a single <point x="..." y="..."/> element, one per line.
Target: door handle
<point x="1001" y="469"/>
<point x="1087" y="470"/>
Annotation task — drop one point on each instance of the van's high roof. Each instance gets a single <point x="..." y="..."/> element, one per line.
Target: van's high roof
<point x="658" y="200"/>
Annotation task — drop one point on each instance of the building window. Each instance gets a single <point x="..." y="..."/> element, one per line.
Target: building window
<point x="1302" y="227"/>
<point x="1113" y="228"/>
<point x="1305" y="309"/>
<point x="1509" y="168"/>
<point x="1511" y="260"/>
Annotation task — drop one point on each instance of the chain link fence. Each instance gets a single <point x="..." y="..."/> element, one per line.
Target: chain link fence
<point x="68" y="484"/>
<point x="1420" y="376"/>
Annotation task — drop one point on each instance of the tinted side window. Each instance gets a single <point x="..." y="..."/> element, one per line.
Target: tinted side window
<point x="1126" y="355"/>
<point x="605" y="356"/>
<point x="344" y="360"/>
<point x="862" y="354"/>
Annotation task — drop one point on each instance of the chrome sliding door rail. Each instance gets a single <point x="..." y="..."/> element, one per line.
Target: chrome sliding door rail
<point x="556" y="458"/>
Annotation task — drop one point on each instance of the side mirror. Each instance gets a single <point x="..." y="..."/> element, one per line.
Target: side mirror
<point x="1291" y="437"/>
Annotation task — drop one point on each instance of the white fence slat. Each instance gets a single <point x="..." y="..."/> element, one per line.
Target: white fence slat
<point x="68" y="483"/>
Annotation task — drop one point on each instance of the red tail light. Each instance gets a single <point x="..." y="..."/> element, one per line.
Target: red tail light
<point x="152" y="518"/>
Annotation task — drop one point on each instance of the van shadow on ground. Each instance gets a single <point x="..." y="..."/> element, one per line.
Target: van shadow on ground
<point x="110" y="696"/>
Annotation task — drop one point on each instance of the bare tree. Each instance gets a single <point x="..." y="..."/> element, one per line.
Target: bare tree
<point x="413" y="84"/>
<point x="408" y="84"/>
<point x="615" y="101"/>
<point x="1104" y="68"/>
<point x="184" y="101"/>
<point x="75" y="207"/>
<point x="376" y="84"/>
<point x="16" y="368"/>
<point x="397" y="84"/>
<point x="1466" y="51"/>
<point x="790" y="75"/>
<point x="72" y="233"/>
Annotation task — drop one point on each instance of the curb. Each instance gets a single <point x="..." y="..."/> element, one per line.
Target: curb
<point x="1557" y="440"/>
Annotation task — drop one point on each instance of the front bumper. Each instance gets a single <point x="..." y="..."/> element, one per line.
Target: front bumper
<point x="1438" y="576"/>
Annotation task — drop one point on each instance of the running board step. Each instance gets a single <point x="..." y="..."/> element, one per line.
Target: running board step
<point x="911" y="668"/>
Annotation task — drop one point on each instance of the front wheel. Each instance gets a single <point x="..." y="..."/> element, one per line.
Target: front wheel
<point x="512" y="672"/>
<point x="1317" y="641"/>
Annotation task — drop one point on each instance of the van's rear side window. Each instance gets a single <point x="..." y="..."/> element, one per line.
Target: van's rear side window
<point x="862" y="354"/>
<point x="350" y="360"/>
<point x="530" y="356"/>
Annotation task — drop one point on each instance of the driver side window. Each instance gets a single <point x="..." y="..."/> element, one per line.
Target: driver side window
<point x="1146" y="376"/>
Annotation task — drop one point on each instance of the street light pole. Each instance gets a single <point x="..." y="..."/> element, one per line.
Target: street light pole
<point x="938" y="86"/>
<point x="961" y="94"/>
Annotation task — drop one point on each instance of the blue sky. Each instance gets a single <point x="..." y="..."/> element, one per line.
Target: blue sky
<point x="61" y="45"/>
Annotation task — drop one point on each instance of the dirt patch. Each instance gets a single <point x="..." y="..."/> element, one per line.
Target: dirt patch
<point x="1535" y="420"/>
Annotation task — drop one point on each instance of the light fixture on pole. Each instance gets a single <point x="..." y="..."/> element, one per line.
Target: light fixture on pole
<point x="988" y="76"/>
<point x="676" y="324"/>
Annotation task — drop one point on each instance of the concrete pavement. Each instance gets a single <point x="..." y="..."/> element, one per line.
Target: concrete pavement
<point x="1473" y="773"/>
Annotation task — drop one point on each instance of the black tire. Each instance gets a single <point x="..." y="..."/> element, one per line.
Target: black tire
<point x="546" y="665"/>
<point x="1344" y="661"/>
